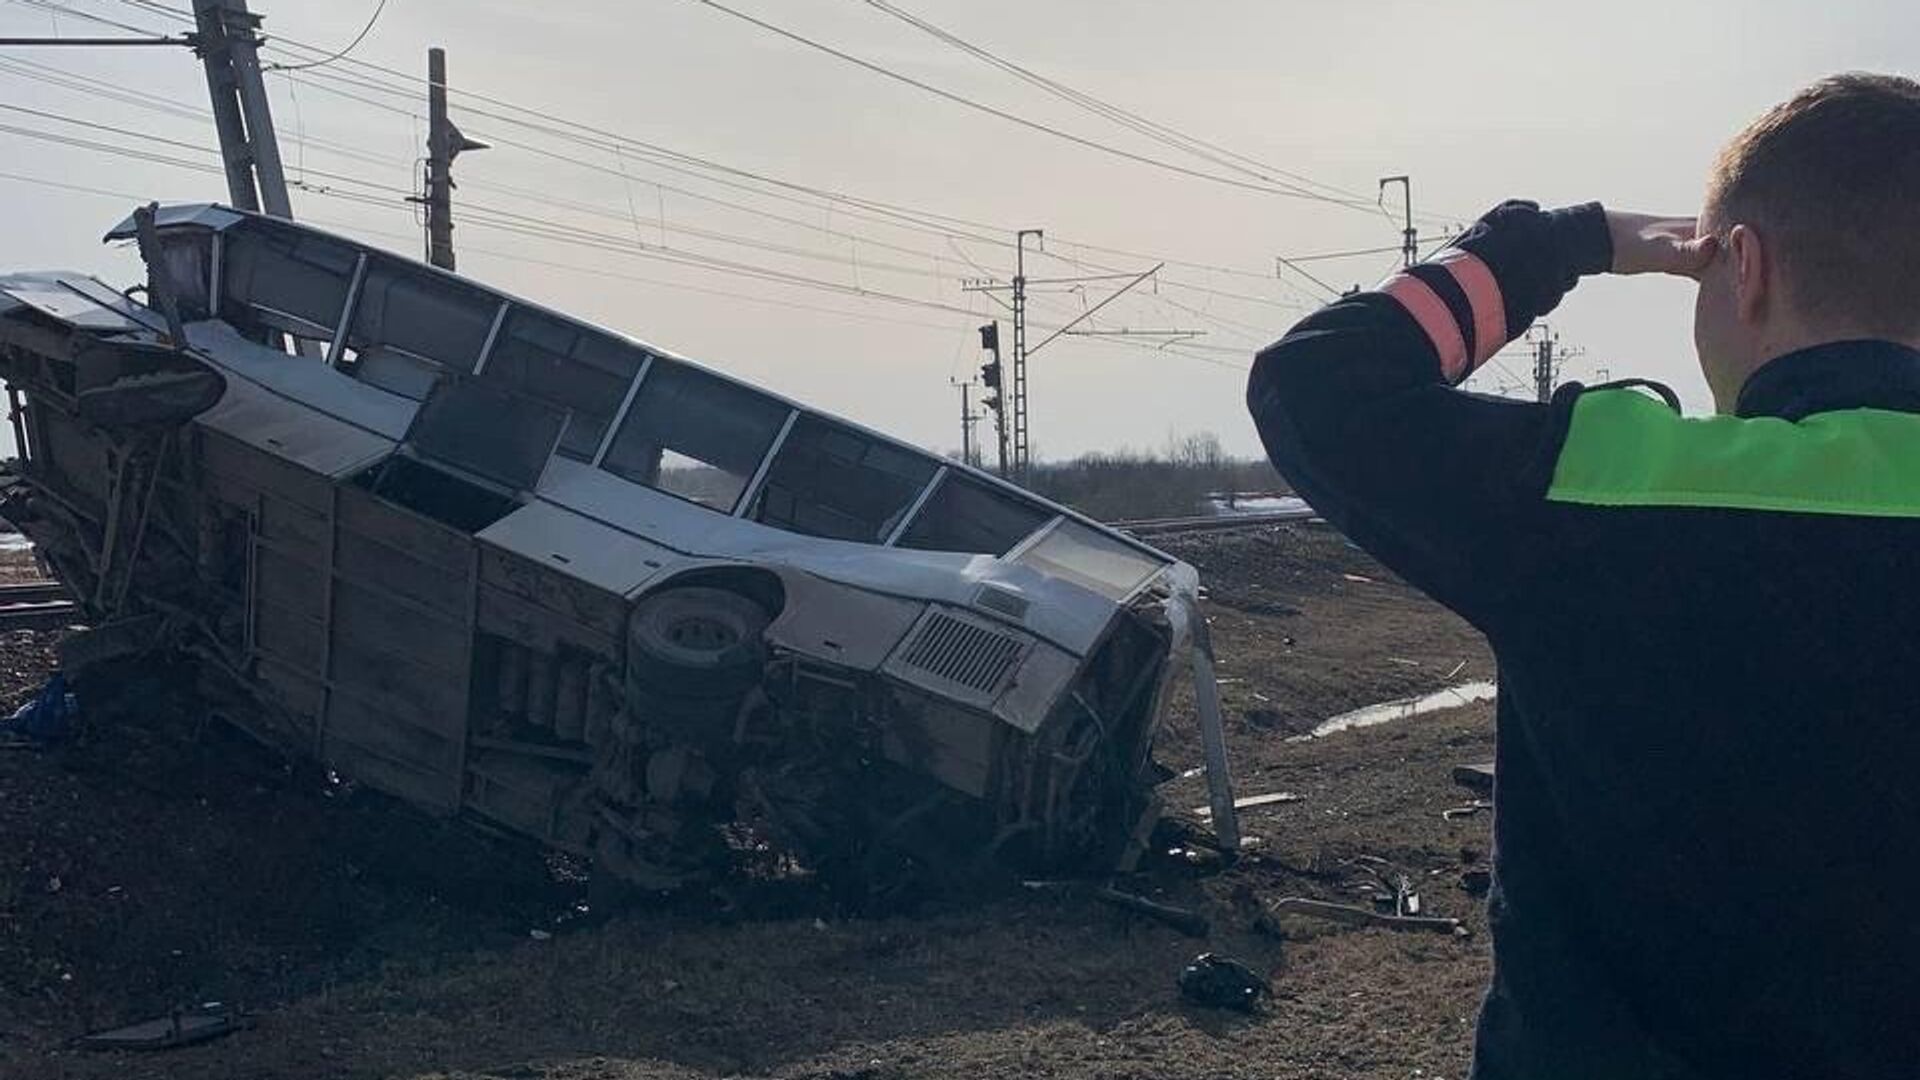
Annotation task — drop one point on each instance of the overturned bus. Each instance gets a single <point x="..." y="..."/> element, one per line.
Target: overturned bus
<point x="500" y="563"/>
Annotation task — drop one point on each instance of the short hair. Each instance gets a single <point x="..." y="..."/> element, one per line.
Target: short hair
<point x="1831" y="178"/>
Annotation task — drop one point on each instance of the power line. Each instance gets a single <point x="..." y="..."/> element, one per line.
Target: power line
<point x="89" y="43"/>
<point x="92" y="86"/>
<point x="1325" y="256"/>
<point x="62" y="9"/>
<point x="1128" y="119"/>
<point x="351" y="45"/>
<point x="1014" y="118"/>
<point x="892" y="216"/>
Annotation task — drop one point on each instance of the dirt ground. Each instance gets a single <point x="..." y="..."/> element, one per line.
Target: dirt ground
<point x="159" y="864"/>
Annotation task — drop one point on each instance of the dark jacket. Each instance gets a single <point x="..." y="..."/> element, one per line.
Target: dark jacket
<point x="1706" y="830"/>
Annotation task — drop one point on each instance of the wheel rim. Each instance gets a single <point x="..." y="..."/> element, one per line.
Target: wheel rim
<point x="702" y="633"/>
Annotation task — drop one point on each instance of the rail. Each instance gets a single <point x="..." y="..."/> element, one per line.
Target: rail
<point x="36" y="605"/>
<point x="1211" y="522"/>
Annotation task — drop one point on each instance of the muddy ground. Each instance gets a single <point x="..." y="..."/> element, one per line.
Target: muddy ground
<point x="163" y="862"/>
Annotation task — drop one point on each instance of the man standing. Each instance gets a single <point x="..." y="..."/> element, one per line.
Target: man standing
<point x="1706" y="831"/>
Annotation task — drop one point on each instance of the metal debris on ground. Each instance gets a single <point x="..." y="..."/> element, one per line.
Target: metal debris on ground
<point x="183" y="1027"/>
<point x="1185" y="920"/>
<point x="1465" y="811"/>
<point x="1388" y="886"/>
<point x="1221" y="982"/>
<point x="1251" y="801"/>
<point x="1356" y="916"/>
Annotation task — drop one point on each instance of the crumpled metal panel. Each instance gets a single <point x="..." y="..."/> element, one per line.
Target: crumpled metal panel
<point x="78" y="301"/>
<point x="206" y="215"/>
<point x="321" y="388"/>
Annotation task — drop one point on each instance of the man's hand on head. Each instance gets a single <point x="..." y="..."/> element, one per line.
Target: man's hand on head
<point x="1650" y="244"/>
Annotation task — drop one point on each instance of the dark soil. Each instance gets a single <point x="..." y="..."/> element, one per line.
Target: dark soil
<point x="161" y="861"/>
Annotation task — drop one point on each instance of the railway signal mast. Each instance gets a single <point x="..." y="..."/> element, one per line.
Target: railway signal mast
<point x="1015" y="439"/>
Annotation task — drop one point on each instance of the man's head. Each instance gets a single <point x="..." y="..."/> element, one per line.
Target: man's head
<point x="1816" y="210"/>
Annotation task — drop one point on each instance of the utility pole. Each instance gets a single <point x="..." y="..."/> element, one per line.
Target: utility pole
<point x="1022" y="448"/>
<point x="1410" y="243"/>
<point x="226" y="39"/>
<point x="1019" y="455"/>
<point x="969" y="452"/>
<point x="444" y="143"/>
<point x="1543" y="365"/>
<point x="996" y="400"/>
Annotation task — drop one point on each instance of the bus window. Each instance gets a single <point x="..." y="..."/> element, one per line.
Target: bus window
<point x="1092" y="559"/>
<point x="569" y="367"/>
<point x="832" y="481"/>
<point x="970" y="516"/>
<point x="694" y="435"/>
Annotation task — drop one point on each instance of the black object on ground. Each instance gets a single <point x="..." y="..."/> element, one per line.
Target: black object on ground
<point x="181" y="1028"/>
<point x="1478" y="777"/>
<point x="1190" y="923"/>
<point x="1220" y="982"/>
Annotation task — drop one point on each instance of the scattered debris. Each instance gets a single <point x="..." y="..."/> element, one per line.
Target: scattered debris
<point x="1457" y="669"/>
<point x="183" y="1027"/>
<point x="1185" y="920"/>
<point x="1390" y="887"/>
<point x="1358" y="916"/>
<point x="1197" y="856"/>
<point x="1466" y="811"/>
<point x="1220" y="982"/>
<point x="1401" y="708"/>
<point x="1402" y="661"/>
<point x="1251" y="801"/>
<point x="1476" y="880"/>
<point x="1361" y="578"/>
<point x="48" y="718"/>
<point x="1479" y="776"/>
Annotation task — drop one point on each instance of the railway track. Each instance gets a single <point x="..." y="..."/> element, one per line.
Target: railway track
<point x="36" y="605"/>
<point x="1212" y="522"/>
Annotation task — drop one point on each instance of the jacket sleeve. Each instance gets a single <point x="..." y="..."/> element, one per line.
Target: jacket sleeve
<point x="1357" y="408"/>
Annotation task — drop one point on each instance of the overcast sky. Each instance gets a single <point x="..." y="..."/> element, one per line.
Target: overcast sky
<point x="1477" y="100"/>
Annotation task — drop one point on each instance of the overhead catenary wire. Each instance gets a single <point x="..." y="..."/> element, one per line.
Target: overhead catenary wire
<point x="87" y="16"/>
<point x="342" y="54"/>
<point x="893" y="216"/>
<point x="106" y="90"/>
<point x="1270" y="188"/>
<point x="405" y="86"/>
<point x="396" y="204"/>
<point x="1133" y="121"/>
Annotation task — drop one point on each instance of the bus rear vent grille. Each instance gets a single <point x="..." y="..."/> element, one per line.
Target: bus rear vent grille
<point x="962" y="652"/>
